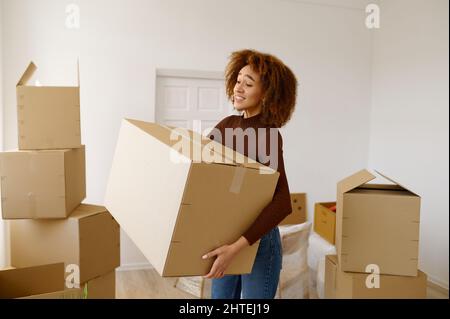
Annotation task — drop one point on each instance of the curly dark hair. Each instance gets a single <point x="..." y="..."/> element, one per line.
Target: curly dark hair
<point x="279" y="84"/>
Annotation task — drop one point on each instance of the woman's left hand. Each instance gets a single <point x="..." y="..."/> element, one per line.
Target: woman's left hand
<point x="225" y="255"/>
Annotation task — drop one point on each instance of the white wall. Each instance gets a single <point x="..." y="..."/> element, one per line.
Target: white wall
<point x="409" y="120"/>
<point x="121" y="43"/>
<point x="3" y="244"/>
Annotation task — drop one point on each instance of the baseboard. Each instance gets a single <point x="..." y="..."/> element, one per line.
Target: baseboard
<point x="438" y="284"/>
<point x="135" y="266"/>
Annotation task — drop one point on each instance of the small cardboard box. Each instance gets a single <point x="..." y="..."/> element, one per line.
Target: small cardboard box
<point x="89" y="238"/>
<point x="29" y="281"/>
<point x="348" y="285"/>
<point x="377" y="224"/>
<point x="325" y="221"/>
<point x="298" y="215"/>
<point x="48" y="117"/>
<point x="177" y="205"/>
<point x="42" y="184"/>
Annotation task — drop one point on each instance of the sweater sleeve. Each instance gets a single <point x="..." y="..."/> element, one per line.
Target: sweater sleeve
<point x="278" y="208"/>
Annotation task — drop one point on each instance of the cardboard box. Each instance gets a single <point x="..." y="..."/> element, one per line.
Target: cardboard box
<point x="377" y="224"/>
<point x="42" y="184"/>
<point x="177" y="206"/>
<point x="89" y="238"/>
<point x="325" y="221"/>
<point x="22" y="282"/>
<point x="74" y="293"/>
<point x="48" y="117"/>
<point x="298" y="215"/>
<point x="102" y="287"/>
<point x="348" y="285"/>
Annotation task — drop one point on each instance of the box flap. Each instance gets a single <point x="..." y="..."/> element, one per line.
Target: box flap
<point x="199" y="146"/>
<point x="21" y="282"/>
<point x="27" y="74"/>
<point x="355" y="180"/>
<point x="391" y="180"/>
<point x="87" y="210"/>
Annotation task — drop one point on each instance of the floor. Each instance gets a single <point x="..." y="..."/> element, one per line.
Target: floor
<point x="143" y="284"/>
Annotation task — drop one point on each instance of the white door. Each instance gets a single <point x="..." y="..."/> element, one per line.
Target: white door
<point x="190" y="99"/>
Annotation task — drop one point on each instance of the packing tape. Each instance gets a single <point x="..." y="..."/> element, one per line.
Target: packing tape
<point x="238" y="179"/>
<point x="32" y="204"/>
<point x="3" y="189"/>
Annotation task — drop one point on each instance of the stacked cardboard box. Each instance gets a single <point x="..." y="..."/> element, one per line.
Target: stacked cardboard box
<point x="377" y="241"/>
<point x="43" y="185"/>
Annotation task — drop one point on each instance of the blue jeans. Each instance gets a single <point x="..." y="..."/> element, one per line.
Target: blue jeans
<point x="262" y="282"/>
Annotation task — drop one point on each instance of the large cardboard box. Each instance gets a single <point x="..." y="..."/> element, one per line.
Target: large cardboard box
<point x="48" y="116"/>
<point x="325" y="221"/>
<point x="89" y="238"/>
<point x="377" y="224"/>
<point x="176" y="205"/>
<point x="29" y="281"/>
<point x="348" y="285"/>
<point x="298" y="215"/>
<point x="42" y="184"/>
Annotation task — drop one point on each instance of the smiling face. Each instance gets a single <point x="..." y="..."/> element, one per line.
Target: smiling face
<point x="248" y="93"/>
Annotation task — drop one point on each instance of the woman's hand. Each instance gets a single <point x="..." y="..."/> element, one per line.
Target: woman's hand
<point x="225" y="255"/>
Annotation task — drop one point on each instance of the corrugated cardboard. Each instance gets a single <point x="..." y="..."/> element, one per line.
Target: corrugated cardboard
<point x="48" y="117"/>
<point x="377" y="224"/>
<point x="42" y="184"/>
<point x="348" y="285"/>
<point x="102" y="287"/>
<point x="177" y="212"/>
<point x="74" y="293"/>
<point x="298" y="215"/>
<point x="325" y="221"/>
<point x="21" y="282"/>
<point x="89" y="237"/>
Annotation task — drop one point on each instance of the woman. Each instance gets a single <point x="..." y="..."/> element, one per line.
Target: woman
<point x="264" y="89"/>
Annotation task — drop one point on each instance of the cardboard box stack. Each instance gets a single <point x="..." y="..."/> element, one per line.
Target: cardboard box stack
<point x="42" y="187"/>
<point x="377" y="241"/>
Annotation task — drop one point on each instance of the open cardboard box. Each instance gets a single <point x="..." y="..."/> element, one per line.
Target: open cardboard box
<point x="377" y="224"/>
<point x="48" y="116"/>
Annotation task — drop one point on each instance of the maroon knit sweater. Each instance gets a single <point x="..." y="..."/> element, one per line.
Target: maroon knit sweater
<point x="280" y="206"/>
